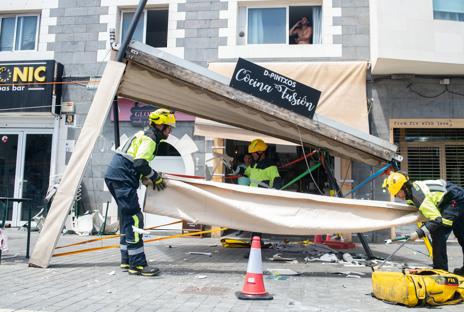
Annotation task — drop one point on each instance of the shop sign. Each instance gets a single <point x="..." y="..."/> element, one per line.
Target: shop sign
<point x="275" y="88"/>
<point x="427" y="123"/>
<point x="25" y="86"/>
<point x="139" y="114"/>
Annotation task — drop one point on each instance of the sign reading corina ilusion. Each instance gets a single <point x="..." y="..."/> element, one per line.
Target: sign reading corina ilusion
<point x="275" y="88"/>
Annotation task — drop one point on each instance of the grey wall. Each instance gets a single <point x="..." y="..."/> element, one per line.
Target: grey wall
<point x="77" y="28"/>
<point x="76" y="44"/>
<point x="201" y="26"/>
<point x="355" y="28"/>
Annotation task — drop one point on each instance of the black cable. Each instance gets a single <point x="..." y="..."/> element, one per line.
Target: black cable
<point x="409" y="87"/>
<point x="454" y="92"/>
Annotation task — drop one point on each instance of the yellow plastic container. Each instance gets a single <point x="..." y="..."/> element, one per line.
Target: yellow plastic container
<point x="418" y="287"/>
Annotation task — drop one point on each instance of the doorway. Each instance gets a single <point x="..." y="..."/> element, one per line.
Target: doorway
<point x="25" y="157"/>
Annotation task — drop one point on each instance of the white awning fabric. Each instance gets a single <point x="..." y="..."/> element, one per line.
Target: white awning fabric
<point x="273" y="211"/>
<point x="343" y="98"/>
<point x="212" y="129"/>
<point x="343" y="87"/>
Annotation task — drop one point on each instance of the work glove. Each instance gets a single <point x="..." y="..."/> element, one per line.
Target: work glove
<point x="413" y="236"/>
<point x="158" y="183"/>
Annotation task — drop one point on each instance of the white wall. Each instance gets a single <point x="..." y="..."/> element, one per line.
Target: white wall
<point x="41" y="7"/>
<point x="405" y="38"/>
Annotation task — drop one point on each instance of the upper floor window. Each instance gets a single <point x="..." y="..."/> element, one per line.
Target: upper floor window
<point x="280" y="25"/>
<point x="18" y="32"/>
<point x="152" y="27"/>
<point x="452" y="10"/>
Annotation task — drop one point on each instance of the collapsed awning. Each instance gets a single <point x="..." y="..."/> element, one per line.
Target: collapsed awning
<point x="158" y="78"/>
<point x="273" y="211"/>
<point x="152" y="76"/>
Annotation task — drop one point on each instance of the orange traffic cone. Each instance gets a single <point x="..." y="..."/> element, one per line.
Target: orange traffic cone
<point x="254" y="283"/>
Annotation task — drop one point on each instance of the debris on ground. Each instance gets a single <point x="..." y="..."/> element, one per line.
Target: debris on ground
<point x="285" y="272"/>
<point x="201" y="276"/>
<point x="199" y="253"/>
<point x="278" y="257"/>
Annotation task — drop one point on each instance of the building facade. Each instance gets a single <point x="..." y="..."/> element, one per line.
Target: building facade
<point x="413" y="58"/>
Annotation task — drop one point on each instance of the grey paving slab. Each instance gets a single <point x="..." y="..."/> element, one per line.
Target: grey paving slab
<point x="93" y="281"/>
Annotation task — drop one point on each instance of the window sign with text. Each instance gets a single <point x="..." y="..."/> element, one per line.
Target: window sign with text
<point x="28" y="85"/>
<point x="275" y="88"/>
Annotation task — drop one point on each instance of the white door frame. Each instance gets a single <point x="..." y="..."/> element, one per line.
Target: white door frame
<point x="20" y="159"/>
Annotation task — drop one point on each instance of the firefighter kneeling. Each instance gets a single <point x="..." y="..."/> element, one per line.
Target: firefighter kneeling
<point x="442" y="203"/>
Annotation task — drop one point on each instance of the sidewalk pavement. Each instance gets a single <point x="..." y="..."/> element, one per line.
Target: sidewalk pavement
<point x="93" y="282"/>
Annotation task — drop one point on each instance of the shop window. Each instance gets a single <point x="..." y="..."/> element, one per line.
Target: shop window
<point x="18" y="32"/>
<point x="432" y="153"/>
<point x="152" y="27"/>
<point x="452" y="10"/>
<point x="280" y="25"/>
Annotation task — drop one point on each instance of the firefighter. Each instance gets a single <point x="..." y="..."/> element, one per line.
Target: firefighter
<point x="263" y="172"/>
<point x="441" y="203"/>
<point x="129" y="167"/>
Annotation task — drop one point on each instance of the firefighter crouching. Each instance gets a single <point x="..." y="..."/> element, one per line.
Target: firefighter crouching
<point x="441" y="203"/>
<point x="129" y="167"/>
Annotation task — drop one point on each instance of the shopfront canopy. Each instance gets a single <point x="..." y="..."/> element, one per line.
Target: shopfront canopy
<point x="152" y="76"/>
<point x="155" y="77"/>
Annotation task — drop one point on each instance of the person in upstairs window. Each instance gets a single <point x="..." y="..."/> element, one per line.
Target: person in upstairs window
<point x="302" y="30"/>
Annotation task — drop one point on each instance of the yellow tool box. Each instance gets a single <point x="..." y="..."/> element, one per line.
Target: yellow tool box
<point x="414" y="287"/>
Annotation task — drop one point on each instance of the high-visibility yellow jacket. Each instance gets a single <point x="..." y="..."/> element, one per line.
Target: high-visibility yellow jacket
<point x="434" y="199"/>
<point x="264" y="173"/>
<point x="141" y="149"/>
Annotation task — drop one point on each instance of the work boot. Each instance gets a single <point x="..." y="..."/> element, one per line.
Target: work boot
<point x="144" y="270"/>
<point x="124" y="267"/>
<point x="459" y="271"/>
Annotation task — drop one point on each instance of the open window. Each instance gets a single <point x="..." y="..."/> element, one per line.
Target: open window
<point x="152" y="28"/>
<point x="18" y="32"/>
<point x="280" y="25"/>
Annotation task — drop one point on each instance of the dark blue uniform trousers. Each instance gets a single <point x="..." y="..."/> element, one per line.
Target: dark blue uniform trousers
<point x="124" y="191"/>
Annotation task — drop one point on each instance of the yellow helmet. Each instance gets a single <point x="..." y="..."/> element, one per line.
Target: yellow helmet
<point x="162" y="116"/>
<point x="394" y="182"/>
<point x="257" y="145"/>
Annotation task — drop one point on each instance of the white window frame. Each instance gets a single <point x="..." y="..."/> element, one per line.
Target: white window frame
<point x="16" y="26"/>
<point x="144" y="31"/>
<point x="145" y="16"/>
<point x="287" y="12"/>
<point x="287" y="16"/>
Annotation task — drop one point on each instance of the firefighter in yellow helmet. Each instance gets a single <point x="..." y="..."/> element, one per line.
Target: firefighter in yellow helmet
<point x="263" y="172"/>
<point x="129" y="166"/>
<point x="442" y="203"/>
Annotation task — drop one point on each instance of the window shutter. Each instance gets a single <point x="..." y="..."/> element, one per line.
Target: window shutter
<point x="455" y="164"/>
<point x="424" y="162"/>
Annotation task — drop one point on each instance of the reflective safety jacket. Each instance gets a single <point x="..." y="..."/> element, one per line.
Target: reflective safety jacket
<point x="141" y="149"/>
<point x="264" y="173"/>
<point x="436" y="200"/>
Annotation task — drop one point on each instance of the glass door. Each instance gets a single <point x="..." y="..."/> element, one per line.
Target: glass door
<point x="9" y="173"/>
<point x="25" y="157"/>
<point x="36" y="172"/>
